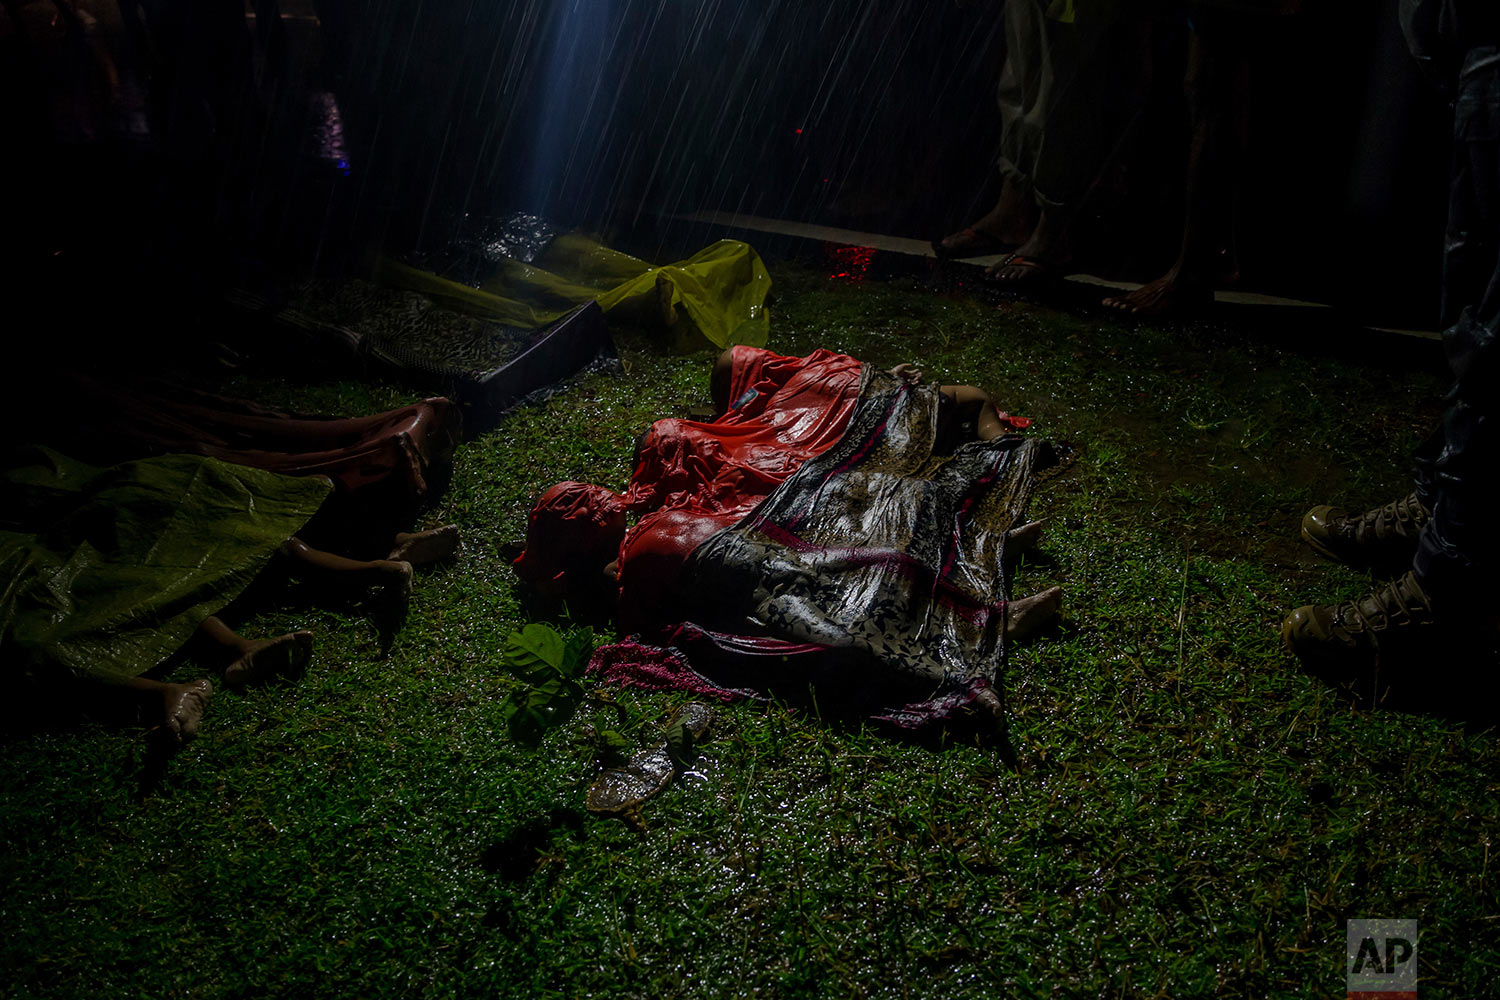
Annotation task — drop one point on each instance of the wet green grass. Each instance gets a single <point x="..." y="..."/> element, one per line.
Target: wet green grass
<point x="1192" y="815"/>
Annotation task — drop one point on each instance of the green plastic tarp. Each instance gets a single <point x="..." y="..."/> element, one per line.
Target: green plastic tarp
<point x="720" y="290"/>
<point x="110" y="571"/>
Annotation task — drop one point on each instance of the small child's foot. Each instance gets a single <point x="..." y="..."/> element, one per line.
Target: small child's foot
<point x="1024" y="538"/>
<point x="284" y="656"/>
<point x="1025" y="616"/>
<point x="183" y="708"/>
<point x="423" y="548"/>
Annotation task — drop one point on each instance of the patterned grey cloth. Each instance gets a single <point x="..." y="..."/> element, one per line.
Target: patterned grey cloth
<point x="882" y="550"/>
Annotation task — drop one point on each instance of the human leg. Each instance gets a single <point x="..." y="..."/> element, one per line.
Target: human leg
<point x="1005" y="226"/>
<point x="388" y="581"/>
<point x="1457" y="549"/>
<point x="424" y="548"/>
<point x="1020" y="95"/>
<point x="249" y="661"/>
<point x="1450" y="586"/>
<point x="1027" y="615"/>
<point x="344" y="573"/>
<point x="1209" y="85"/>
<point x="1074" y="122"/>
<point x="1040" y="256"/>
<point x="1026" y="537"/>
<point x="173" y="710"/>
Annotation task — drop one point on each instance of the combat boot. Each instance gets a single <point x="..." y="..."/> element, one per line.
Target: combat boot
<point x="1383" y="538"/>
<point x="1353" y="632"/>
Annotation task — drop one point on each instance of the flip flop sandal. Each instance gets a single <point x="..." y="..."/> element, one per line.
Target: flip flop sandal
<point x="975" y="244"/>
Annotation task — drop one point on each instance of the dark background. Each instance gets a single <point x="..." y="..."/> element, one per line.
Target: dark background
<point x="614" y="115"/>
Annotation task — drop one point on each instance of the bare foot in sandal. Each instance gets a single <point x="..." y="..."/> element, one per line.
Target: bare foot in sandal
<point x="1018" y="270"/>
<point x="1040" y="258"/>
<point x="1006" y="225"/>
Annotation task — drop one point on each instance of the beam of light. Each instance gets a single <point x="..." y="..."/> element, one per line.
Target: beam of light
<point x="570" y="81"/>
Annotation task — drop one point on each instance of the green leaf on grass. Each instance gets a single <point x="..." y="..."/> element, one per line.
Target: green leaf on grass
<point x="577" y="649"/>
<point x="550" y="666"/>
<point x="614" y="740"/>
<point x="530" y="652"/>
<point x="680" y="744"/>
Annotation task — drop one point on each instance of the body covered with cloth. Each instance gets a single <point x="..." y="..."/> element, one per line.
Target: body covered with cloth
<point x="832" y="527"/>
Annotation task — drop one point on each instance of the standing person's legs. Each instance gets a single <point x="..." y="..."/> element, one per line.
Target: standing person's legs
<point x="1451" y="581"/>
<point x="1212" y="84"/>
<point x="1062" y="138"/>
<point x="1025" y="80"/>
<point x="1456" y="552"/>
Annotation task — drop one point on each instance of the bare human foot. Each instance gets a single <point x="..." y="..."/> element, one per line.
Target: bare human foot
<point x="1017" y="269"/>
<point x="1172" y="293"/>
<point x="390" y="576"/>
<point x="1025" y="616"/>
<point x="1024" y="538"/>
<point x="391" y="598"/>
<point x="987" y="702"/>
<point x="423" y="548"/>
<point x="283" y="656"/>
<point x="182" y="710"/>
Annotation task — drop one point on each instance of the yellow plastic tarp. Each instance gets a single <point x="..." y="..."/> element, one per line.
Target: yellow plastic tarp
<point x="720" y="290"/>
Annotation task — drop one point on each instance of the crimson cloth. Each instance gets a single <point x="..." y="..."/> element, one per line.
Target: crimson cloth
<point x="693" y="479"/>
<point x="572" y="525"/>
<point x="872" y="566"/>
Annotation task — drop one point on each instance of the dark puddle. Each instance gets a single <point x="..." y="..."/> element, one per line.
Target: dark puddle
<point x="514" y="857"/>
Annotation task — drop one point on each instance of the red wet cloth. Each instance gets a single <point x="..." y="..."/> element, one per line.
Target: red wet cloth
<point x="573" y="525"/>
<point x="782" y="412"/>
<point x="693" y="479"/>
<point x="875" y="571"/>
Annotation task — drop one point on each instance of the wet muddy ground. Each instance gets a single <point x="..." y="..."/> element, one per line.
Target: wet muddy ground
<point x="1190" y="815"/>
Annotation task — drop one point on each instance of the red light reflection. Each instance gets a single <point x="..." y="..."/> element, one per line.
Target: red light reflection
<point x="850" y="263"/>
